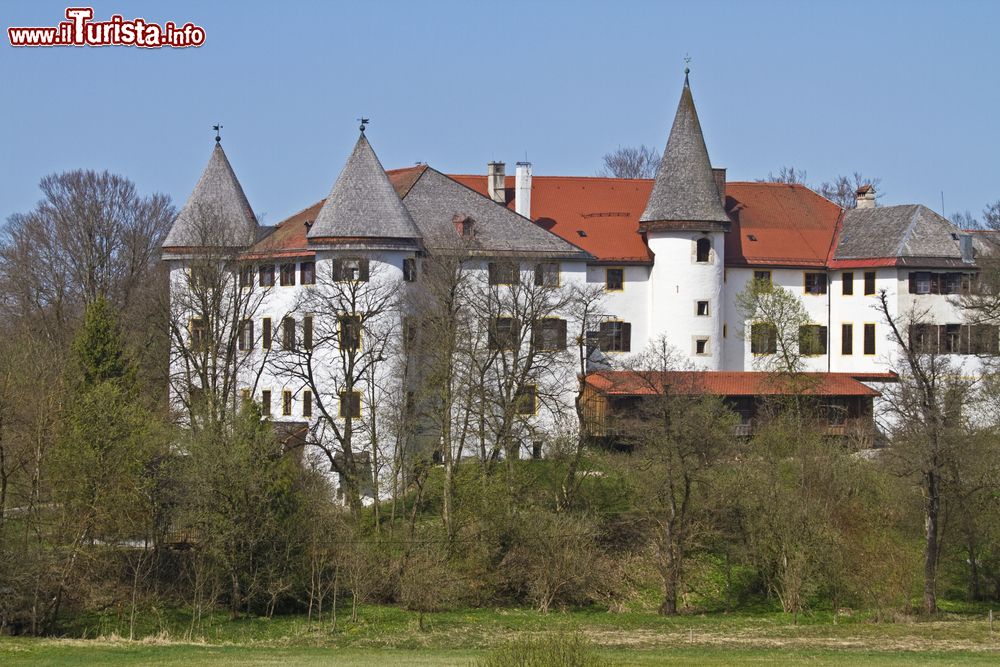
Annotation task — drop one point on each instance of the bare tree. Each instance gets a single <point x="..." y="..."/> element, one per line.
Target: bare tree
<point x="630" y="162"/>
<point x="785" y="174"/>
<point x="345" y="359"/>
<point x="842" y="189"/>
<point x="91" y="234"/>
<point x="211" y="303"/>
<point x="925" y="420"/>
<point x="777" y="320"/>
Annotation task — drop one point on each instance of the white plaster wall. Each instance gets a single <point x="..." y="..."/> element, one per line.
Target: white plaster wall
<point x="677" y="283"/>
<point x="629" y="305"/>
<point x="738" y="356"/>
<point x="860" y="309"/>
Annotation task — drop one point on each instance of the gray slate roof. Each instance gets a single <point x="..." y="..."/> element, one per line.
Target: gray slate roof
<point x="435" y="201"/>
<point x="684" y="189"/>
<point x="217" y="213"/>
<point x="363" y="203"/>
<point x="908" y="231"/>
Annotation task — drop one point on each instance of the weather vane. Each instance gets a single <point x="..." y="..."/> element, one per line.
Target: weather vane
<point x="687" y="62"/>
<point x="218" y="136"/>
<point x="364" y="121"/>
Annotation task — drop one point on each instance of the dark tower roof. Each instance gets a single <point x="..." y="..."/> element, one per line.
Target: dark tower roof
<point x="364" y="205"/>
<point x="684" y="190"/>
<point x="217" y="214"/>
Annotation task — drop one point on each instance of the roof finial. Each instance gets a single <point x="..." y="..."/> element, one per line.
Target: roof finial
<point x="687" y="69"/>
<point x="364" y="121"/>
<point x="218" y="136"/>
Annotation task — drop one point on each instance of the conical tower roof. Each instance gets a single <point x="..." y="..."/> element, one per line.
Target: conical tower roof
<point x="363" y="204"/>
<point x="684" y="190"/>
<point x="217" y="214"/>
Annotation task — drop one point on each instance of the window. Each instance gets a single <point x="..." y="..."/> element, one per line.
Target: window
<point x="307" y="273"/>
<point x="504" y="273"/>
<point x="198" y="334"/>
<point x="763" y="338"/>
<point x="288" y="333"/>
<point x="616" y="336"/>
<point x="869" y="339"/>
<point x="869" y="282"/>
<point x="350" y="269"/>
<point x="701" y="308"/>
<point x="847" y="279"/>
<point x="245" y="395"/>
<point x="549" y="334"/>
<point x="701" y="346"/>
<point x="246" y="335"/>
<point x="951" y="338"/>
<point x="350" y="332"/>
<point x="536" y="450"/>
<point x="703" y="251"/>
<point x="267" y="275"/>
<point x="526" y="400"/>
<point x="307" y="332"/>
<point x="307" y="403"/>
<point x="288" y="274"/>
<point x="265" y="402"/>
<point x="924" y="338"/>
<point x="409" y="269"/>
<point x="925" y="282"/>
<point x="246" y="276"/>
<point x="762" y="276"/>
<point x="847" y="339"/>
<point x="266" y="337"/>
<point x="614" y="280"/>
<point x="286" y="403"/>
<point x="547" y="275"/>
<point x="812" y="340"/>
<point x="504" y="333"/>
<point x="984" y="339"/>
<point x="350" y="404"/>
<point x="815" y="283"/>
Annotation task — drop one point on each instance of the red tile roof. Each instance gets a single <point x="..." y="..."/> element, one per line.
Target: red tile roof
<point x="792" y="225"/>
<point x="289" y="237"/>
<point x="779" y="224"/>
<point x="727" y="383"/>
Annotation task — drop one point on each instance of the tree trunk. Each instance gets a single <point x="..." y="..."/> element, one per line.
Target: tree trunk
<point x="931" y="541"/>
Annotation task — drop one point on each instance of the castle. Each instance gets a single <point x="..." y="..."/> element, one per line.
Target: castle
<point x="668" y="255"/>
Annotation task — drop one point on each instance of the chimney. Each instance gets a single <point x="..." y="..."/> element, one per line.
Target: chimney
<point x="965" y="245"/>
<point x="720" y="183"/>
<point x="495" y="182"/>
<point x="522" y="189"/>
<point x="865" y="196"/>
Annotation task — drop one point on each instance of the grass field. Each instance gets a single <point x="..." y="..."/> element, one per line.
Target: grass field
<point x="387" y="636"/>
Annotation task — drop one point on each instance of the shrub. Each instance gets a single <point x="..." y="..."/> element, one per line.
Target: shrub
<point x="547" y="651"/>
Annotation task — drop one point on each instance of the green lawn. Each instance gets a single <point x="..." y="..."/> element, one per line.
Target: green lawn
<point x="388" y="636"/>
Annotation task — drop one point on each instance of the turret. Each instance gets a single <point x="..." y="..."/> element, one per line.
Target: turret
<point x="685" y="225"/>
<point x="217" y="214"/>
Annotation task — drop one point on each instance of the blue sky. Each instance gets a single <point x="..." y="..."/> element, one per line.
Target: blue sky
<point x="905" y="91"/>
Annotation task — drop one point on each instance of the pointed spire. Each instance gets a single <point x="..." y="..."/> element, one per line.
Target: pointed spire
<point x="217" y="213"/>
<point x="363" y="203"/>
<point x="684" y="190"/>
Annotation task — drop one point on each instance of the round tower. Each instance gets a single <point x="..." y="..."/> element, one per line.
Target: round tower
<point x="685" y="223"/>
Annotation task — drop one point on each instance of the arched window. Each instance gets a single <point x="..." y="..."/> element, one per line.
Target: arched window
<point x="703" y="250"/>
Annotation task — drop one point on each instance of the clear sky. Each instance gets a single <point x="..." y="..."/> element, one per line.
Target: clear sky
<point x="906" y="91"/>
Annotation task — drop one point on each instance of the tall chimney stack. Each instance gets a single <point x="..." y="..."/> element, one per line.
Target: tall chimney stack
<point x="720" y="183"/>
<point x="522" y="189"/>
<point x="865" y="196"/>
<point x="495" y="182"/>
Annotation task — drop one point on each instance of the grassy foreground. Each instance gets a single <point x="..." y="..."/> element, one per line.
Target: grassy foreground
<point x="388" y="636"/>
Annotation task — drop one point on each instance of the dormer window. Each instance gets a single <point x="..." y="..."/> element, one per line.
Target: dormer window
<point x="465" y="226"/>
